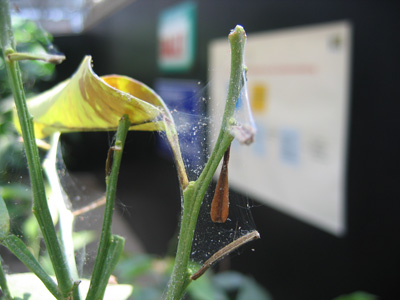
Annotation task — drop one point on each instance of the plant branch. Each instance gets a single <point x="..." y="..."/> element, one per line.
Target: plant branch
<point x="40" y="206"/>
<point x="194" y="193"/>
<point x="50" y="58"/>
<point x="225" y="251"/>
<point x="113" y="254"/>
<point x="18" y="248"/>
<point x="108" y="244"/>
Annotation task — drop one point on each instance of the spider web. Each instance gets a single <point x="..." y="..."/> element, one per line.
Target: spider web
<point x="196" y="133"/>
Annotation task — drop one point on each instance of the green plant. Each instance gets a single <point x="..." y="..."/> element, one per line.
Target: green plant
<point x="29" y="39"/>
<point x="149" y="274"/>
<point x="133" y="107"/>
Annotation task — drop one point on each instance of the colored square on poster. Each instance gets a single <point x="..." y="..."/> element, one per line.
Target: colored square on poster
<point x="289" y="141"/>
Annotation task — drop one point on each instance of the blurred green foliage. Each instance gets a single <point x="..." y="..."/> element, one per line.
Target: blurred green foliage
<point x="150" y="275"/>
<point x="357" y="296"/>
<point x="32" y="39"/>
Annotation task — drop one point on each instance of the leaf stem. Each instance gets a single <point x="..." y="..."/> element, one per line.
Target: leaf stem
<point x="194" y="193"/>
<point x="40" y="206"/>
<point x="18" y="248"/>
<point x="109" y="245"/>
<point x="54" y="59"/>
<point x="114" y="252"/>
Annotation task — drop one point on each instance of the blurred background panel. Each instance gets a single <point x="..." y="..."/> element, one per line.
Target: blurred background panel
<point x="295" y="258"/>
<point x="298" y="88"/>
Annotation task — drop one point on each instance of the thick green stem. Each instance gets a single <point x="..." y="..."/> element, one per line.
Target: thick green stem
<point x="98" y="281"/>
<point x="40" y="206"/>
<point x="194" y="193"/>
<point x="114" y="252"/>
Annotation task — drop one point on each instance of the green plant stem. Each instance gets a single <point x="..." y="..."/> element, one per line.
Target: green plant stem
<point x="194" y="193"/>
<point x="3" y="283"/>
<point x="114" y="252"/>
<point x="18" y="248"/>
<point x="98" y="281"/>
<point x="40" y="206"/>
<point x="55" y="59"/>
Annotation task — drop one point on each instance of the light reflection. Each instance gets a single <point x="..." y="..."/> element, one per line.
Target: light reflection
<point x="64" y="17"/>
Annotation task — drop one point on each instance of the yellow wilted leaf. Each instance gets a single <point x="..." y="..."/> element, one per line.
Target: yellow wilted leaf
<point x="87" y="102"/>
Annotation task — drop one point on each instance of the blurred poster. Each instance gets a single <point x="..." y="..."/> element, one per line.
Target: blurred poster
<point x="298" y="87"/>
<point x="182" y="98"/>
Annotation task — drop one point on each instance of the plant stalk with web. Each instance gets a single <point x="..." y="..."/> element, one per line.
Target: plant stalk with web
<point x="61" y="256"/>
<point x="193" y="195"/>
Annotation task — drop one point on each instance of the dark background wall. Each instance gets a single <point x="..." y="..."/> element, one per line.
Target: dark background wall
<point x="292" y="260"/>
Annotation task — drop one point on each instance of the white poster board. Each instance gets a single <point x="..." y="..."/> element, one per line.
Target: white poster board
<point x="298" y="82"/>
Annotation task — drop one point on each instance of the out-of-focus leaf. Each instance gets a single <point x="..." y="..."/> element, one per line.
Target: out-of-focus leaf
<point x="83" y="238"/>
<point x="16" y="191"/>
<point x="87" y="102"/>
<point x="203" y="289"/>
<point x="229" y="280"/>
<point x="18" y="200"/>
<point x="148" y="293"/>
<point x="357" y="296"/>
<point x="29" y="38"/>
<point x="24" y="284"/>
<point x="19" y="249"/>
<point x="252" y="290"/>
<point x="246" y="287"/>
<point x="131" y="267"/>
<point x="4" y="220"/>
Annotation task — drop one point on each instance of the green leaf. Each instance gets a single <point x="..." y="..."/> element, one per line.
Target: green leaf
<point x="4" y="220"/>
<point x="16" y="191"/>
<point x="252" y="290"/>
<point x="18" y="199"/>
<point x="134" y="266"/>
<point x="203" y="289"/>
<point x="18" y="248"/>
<point x="24" y="284"/>
<point x="83" y="238"/>
<point x="357" y="296"/>
<point x="114" y="252"/>
<point x="229" y="281"/>
<point x="246" y="287"/>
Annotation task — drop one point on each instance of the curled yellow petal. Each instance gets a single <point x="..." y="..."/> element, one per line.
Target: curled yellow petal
<point x="87" y="102"/>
